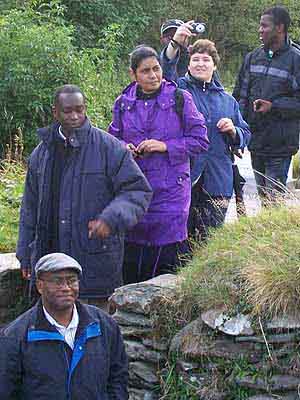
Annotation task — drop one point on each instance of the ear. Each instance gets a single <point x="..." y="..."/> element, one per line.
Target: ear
<point x="280" y="28"/>
<point x="39" y="286"/>
<point x="215" y="67"/>
<point x="54" y="113"/>
<point x="132" y="75"/>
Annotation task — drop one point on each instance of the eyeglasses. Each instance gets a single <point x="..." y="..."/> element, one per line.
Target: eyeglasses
<point x="61" y="282"/>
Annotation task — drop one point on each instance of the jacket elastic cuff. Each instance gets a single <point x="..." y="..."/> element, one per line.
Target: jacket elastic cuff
<point x="24" y="263"/>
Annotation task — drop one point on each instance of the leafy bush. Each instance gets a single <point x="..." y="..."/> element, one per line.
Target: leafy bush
<point x="46" y="59"/>
<point x="12" y="175"/>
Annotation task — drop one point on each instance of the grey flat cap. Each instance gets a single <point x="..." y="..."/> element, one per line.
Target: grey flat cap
<point x="56" y="262"/>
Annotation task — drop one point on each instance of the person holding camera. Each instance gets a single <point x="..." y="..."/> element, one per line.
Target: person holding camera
<point x="212" y="174"/>
<point x="268" y="91"/>
<point x="167" y="32"/>
<point x="147" y="122"/>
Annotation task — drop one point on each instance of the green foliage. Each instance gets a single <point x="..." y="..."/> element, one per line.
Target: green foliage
<point x="12" y="176"/>
<point x="46" y="59"/>
<point x="173" y="386"/>
<point x="249" y="266"/>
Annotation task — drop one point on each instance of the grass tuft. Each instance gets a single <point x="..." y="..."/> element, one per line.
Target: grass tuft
<point x="251" y="266"/>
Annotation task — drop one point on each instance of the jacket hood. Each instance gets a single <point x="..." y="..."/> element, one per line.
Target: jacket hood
<point x="165" y="95"/>
<point x="78" y="136"/>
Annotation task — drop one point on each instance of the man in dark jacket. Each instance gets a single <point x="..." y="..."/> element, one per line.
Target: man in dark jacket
<point x="61" y="349"/>
<point x="83" y="190"/>
<point x="268" y="91"/>
<point x="167" y="31"/>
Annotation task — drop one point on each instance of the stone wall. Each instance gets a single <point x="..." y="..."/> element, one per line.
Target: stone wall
<point x="11" y="288"/>
<point x="135" y="304"/>
<point x="220" y="357"/>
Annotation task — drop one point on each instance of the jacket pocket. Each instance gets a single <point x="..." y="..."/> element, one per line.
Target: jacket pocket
<point x="179" y="186"/>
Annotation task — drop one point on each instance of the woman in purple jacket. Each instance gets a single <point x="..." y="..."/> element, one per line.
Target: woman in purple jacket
<point x="162" y="140"/>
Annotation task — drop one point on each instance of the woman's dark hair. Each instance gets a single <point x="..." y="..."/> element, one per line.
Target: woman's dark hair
<point x="139" y="54"/>
<point x="205" y="46"/>
<point x="280" y="15"/>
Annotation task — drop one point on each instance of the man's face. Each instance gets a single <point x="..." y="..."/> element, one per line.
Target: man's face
<point x="268" y="31"/>
<point x="70" y="111"/>
<point x="59" y="290"/>
<point x="167" y="36"/>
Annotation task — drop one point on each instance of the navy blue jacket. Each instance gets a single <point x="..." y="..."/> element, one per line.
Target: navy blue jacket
<point x="37" y="364"/>
<point x="274" y="77"/>
<point x="215" y="165"/>
<point x="100" y="180"/>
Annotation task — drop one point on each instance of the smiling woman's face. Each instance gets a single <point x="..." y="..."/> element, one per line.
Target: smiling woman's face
<point x="148" y="75"/>
<point x="202" y="66"/>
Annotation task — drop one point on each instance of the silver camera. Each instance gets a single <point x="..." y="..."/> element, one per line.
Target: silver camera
<point x="198" y="28"/>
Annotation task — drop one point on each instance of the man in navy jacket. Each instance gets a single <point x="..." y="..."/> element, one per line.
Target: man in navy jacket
<point x="268" y="91"/>
<point x="61" y="349"/>
<point x="83" y="190"/>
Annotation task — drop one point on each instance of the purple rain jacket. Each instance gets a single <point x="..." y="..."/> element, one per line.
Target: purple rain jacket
<point x="135" y="120"/>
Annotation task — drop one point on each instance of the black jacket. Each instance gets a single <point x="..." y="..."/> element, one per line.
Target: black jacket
<point x="37" y="364"/>
<point x="100" y="180"/>
<point x="275" y="78"/>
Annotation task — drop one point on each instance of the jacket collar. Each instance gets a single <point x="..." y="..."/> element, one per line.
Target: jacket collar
<point x="40" y="322"/>
<point x="165" y="97"/>
<point x="78" y="137"/>
<point x="214" y="84"/>
<point x="286" y="45"/>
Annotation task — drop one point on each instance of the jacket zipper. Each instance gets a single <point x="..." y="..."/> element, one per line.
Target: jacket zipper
<point x="68" y="367"/>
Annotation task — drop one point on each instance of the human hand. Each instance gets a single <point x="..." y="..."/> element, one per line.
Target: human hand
<point x="184" y="33"/>
<point x="131" y="147"/>
<point x="98" y="228"/>
<point x="26" y="273"/>
<point x="151" y="146"/>
<point x="225" y="125"/>
<point x="262" y="106"/>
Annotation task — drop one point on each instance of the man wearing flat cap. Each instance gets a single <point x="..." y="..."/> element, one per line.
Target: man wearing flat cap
<point x="83" y="190"/>
<point x="61" y="349"/>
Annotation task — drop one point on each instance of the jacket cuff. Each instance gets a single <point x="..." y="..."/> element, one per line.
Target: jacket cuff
<point x="25" y="263"/>
<point x="238" y="141"/>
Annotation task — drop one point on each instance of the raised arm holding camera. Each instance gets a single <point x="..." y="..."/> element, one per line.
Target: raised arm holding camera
<point x="212" y="174"/>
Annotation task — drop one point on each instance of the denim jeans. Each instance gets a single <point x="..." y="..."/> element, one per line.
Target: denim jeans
<point x="270" y="174"/>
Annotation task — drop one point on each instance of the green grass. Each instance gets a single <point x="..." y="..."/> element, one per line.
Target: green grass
<point x="12" y="175"/>
<point x="249" y="266"/>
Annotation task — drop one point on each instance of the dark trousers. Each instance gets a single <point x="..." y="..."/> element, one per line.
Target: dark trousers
<point x="145" y="262"/>
<point x="270" y="174"/>
<point x="205" y="212"/>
